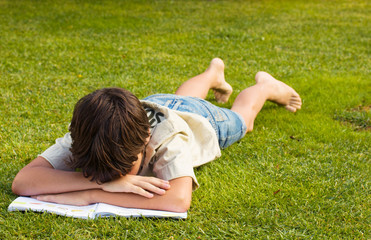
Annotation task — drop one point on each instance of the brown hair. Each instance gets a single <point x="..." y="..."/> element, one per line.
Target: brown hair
<point x="109" y="129"/>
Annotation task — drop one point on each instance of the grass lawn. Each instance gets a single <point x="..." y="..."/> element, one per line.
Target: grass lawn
<point x="296" y="176"/>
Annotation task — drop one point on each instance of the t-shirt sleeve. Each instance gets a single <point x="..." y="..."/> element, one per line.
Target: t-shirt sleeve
<point x="59" y="154"/>
<point x="174" y="159"/>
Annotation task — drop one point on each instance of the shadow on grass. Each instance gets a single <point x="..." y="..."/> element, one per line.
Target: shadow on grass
<point x="359" y="117"/>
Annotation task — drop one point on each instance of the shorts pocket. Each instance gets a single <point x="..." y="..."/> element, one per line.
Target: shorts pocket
<point x="220" y="115"/>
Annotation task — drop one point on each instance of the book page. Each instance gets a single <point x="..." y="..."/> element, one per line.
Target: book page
<point x="106" y="210"/>
<point x="30" y="204"/>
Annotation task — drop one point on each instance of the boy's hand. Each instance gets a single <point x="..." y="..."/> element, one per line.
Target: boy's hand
<point x="144" y="186"/>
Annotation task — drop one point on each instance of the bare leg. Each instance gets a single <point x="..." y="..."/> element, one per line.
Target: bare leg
<point x="212" y="78"/>
<point x="251" y="100"/>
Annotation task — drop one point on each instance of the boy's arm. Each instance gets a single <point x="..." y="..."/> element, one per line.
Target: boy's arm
<point x="39" y="177"/>
<point x="176" y="199"/>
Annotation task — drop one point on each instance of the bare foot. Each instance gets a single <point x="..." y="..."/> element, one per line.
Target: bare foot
<point x="222" y="89"/>
<point x="280" y="92"/>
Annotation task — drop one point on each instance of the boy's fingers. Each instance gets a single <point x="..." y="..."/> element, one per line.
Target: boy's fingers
<point x="147" y="185"/>
<point x="143" y="186"/>
<point x="142" y="192"/>
<point x="158" y="182"/>
<point x="152" y="188"/>
<point x="45" y="198"/>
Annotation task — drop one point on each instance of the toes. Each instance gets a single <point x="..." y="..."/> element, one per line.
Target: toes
<point x="221" y="97"/>
<point x="297" y="106"/>
<point x="295" y="103"/>
<point x="290" y="108"/>
<point x="223" y="92"/>
<point x="295" y="99"/>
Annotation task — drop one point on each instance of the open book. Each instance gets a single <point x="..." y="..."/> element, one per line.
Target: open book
<point x="88" y="212"/>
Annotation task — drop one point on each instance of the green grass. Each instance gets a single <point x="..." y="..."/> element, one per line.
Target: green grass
<point x="297" y="176"/>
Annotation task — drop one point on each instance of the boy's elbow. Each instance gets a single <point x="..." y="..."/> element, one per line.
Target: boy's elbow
<point x="184" y="205"/>
<point x="181" y="203"/>
<point x="16" y="189"/>
<point x="180" y="194"/>
<point x="19" y="186"/>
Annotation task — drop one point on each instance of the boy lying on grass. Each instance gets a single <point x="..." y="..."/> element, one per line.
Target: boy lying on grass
<point x="141" y="154"/>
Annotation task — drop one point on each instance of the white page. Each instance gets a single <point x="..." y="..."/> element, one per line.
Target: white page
<point x="90" y="211"/>
<point x="105" y="210"/>
<point x="27" y="203"/>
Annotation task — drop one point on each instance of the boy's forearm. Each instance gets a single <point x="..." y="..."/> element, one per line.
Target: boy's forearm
<point x="53" y="181"/>
<point x="41" y="178"/>
<point x="176" y="199"/>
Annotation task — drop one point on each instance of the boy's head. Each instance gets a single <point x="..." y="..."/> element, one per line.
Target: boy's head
<point x="109" y="128"/>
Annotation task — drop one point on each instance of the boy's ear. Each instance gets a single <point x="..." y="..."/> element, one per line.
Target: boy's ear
<point x="149" y="136"/>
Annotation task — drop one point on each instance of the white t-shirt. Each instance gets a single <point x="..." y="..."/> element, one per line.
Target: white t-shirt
<point x="179" y="142"/>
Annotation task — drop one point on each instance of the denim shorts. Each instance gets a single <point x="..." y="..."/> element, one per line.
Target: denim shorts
<point x="228" y="125"/>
